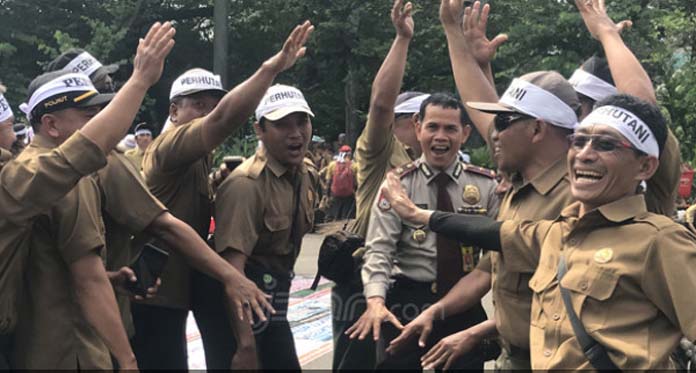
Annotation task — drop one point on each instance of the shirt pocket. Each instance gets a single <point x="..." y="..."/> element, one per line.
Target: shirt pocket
<point x="277" y="239"/>
<point x="590" y="288"/>
<point x="540" y="283"/>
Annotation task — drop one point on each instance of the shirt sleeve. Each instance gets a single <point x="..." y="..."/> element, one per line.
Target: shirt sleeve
<point x="238" y="215"/>
<point x="176" y="148"/>
<point x="485" y="263"/>
<point x="521" y="243"/>
<point x="383" y="234"/>
<point x="669" y="278"/>
<point x="126" y="198"/>
<point x="80" y="229"/>
<point x="36" y="184"/>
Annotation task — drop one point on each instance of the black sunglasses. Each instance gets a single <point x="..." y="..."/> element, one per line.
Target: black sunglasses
<point x="599" y="143"/>
<point x="503" y="121"/>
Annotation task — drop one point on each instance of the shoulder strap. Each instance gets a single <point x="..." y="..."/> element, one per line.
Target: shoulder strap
<point x="595" y="352"/>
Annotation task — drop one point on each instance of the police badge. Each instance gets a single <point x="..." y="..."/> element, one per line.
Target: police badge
<point x="471" y="194"/>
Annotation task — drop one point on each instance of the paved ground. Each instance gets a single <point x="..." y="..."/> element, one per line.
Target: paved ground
<point x="307" y="266"/>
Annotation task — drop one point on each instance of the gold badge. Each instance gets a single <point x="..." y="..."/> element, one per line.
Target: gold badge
<point x="433" y="288"/>
<point x="419" y="235"/>
<point x="603" y="256"/>
<point x="471" y="194"/>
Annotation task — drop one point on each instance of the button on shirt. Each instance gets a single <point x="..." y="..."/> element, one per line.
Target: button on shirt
<point x="391" y="249"/>
<point x="630" y="279"/>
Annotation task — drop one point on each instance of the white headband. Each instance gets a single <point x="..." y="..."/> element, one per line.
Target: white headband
<point x="143" y="132"/>
<point x="74" y="82"/>
<point x="532" y="100"/>
<point x="591" y="86"/>
<point x="628" y="124"/>
<point x="5" y="109"/>
<point x="84" y="63"/>
<point x="195" y="80"/>
<point x="412" y="105"/>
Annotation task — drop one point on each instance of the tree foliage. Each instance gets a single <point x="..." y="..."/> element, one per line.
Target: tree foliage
<point x="351" y="39"/>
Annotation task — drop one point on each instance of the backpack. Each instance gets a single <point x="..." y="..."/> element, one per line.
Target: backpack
<point x="343" y="181"/>
<point x="338" y="258"/>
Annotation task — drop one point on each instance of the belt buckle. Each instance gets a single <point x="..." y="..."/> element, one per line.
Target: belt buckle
<point x="433" y="287"/>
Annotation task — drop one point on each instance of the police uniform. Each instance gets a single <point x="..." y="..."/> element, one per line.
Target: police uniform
<point x="261" y="208"/>
<point x="400" y="264"/>
<point x="176" y="167"/>
<point x="630" y="279"/>
<point x="129" y="208"/>
<point x="23" y="195"/>
<point x="52" y="332"/>
<point x="543" y="197"/>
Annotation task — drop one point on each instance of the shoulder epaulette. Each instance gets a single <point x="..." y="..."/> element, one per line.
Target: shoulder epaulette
<point x="406" y="169"/>
<point x="479" y="170"/>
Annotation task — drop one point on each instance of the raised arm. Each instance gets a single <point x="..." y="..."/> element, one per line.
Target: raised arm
<point x="387" y="83"/>
<point x="235" y="108"/>
<point x="470" y="55"/>
<point x="108" y="127"/>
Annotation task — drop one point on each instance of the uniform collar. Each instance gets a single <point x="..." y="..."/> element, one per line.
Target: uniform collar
<point x="41" y="141"/>
<point x="546" y="179"/>
<point x="454" y="170"/>
<point x="276" y="167"/>
<point x="618" y="211"/>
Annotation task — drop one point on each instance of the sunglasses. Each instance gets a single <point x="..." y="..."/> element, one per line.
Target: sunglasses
<point x="599" y="143"/>
<point x="503" y="121"/>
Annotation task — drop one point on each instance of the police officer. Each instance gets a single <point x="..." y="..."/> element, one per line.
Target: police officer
<point x="262" y="211"/>
<point x="407" y="267"/>
<point x="589" y="290"/>
<point x="143" y="138"/>
<point x="176" y="167"/>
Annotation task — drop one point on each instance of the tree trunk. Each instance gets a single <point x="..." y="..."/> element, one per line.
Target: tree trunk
<point x="351" y="125"/>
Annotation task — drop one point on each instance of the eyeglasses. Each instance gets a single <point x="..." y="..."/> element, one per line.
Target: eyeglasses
<point x="503" y="121"/>
<point x="599" y="143"/>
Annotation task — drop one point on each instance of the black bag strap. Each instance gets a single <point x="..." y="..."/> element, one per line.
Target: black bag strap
<point x="595" y="352"/>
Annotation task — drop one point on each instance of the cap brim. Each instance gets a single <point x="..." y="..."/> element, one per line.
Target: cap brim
<point x="109" y="69"/>
<point x="491" y="107"/>
<point x="96" y="100"/>
<point x="222" y="92"/>
<point x="283" y="112"/>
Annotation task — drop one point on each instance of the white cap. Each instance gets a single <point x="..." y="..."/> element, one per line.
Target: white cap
<point x="281" y="100"/>
<point x="195" y="80"/>
<point x="5" y="109"/>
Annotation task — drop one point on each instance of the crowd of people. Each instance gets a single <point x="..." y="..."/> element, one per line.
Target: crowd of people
<point x="573" y="234"/>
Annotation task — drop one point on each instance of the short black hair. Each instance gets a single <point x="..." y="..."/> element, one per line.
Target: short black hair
<point x="647" y="112"/>
<point x="598" y="67"/>
<point x="445" y="101"/>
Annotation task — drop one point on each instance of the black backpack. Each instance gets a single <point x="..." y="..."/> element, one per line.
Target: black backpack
<point x="337" y="260"/>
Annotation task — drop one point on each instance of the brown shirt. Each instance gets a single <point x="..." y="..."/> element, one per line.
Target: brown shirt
<point x="176" y="167"/>
<point x="52" y="332"/>
<point x="128" y="208"/>
<point x="630" y="277"/>
<point x="30" y="185"/>
<point x="255" y="208"/>
<point x="544" y="197"/>
<point x="135" y="155"/>
<point x="375" y="155"/>
<point x="661" y="193"/>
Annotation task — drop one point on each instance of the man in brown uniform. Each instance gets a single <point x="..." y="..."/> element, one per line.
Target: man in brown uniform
<point x="542" y="190"/>
<point x="613" y="286"/>
<point x="388" y="141"/>
<point x="262" y="211"/>
<point x="176" y="167"/>
<point x="33" y="184"/>
<point x="143" y="138"/>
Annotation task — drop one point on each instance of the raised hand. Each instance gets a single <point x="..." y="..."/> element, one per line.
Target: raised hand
<point x="451" y="12"/>
<point x="402" y="19"/>
<point x="246" y="298"/>
<point x="372" y="319"/>
<point x="152" y="51"/>
<point x="594" y="13"/>
<point x="448" y="350"/>
<point x="474" y="30"/>
<point x="293" y="49"/>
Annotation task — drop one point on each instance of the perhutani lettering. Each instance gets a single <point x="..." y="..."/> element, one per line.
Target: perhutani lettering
<point x="518" y="93"/>
<point x="3" y="105"/>
<point x="285" y="96"/>
<point x="631" y="122"/>
<point x="75" y="82"/>
<point x="83" y="66"/>
<point x="55" y="101"/>
<point x="205" y="80"/>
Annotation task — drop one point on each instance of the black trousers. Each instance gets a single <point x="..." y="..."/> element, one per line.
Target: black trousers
<point x="347" y="305"/>
<point x="160" y="332"/>
<point x="406" y="300"/>
<point x="6" y="342"/>
<point x="275" y="344"/>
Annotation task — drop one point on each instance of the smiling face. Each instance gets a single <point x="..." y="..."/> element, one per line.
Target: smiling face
<point x="286" y="139"/>
<point x="441" y="134"/>
<point x="600" y="175"/>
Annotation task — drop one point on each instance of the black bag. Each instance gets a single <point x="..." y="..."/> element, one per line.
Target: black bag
<point x="336" y="260"/>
